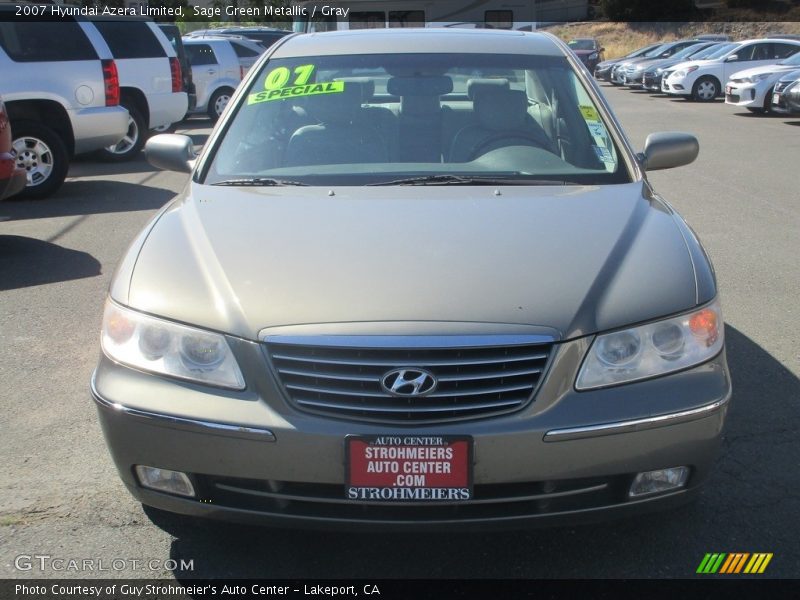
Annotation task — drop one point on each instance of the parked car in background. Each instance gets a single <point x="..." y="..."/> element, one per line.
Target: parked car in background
<point x="786" y="94"/>
<point x="266" y="36"/>
<point x="218" y="65"/>
<point x="618" y="71"/>
<point x="652" y="77"/>
<point x="62" y="98"/>
<point x="752" y="88"/>
<point x="633" y="71"/>
<point x="151" y="84"/>
<point x="702" y="80"/>
<point x="588" y="50"/>
<point x="12" y="178"/>
<point x="283" y="303"/>
<point x="713" y="37"/>
<point x="603" y="69"/>
<point x="174" y="36"/>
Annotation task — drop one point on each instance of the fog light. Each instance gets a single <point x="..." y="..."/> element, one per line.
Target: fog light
<point x="655" y="482"/>
<point x="164" y="480"/>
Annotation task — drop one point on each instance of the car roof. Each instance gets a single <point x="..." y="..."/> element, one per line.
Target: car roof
<point x="419" y="40"/>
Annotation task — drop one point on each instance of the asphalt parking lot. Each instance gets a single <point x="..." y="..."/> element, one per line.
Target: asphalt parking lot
<point x="60" y="494"/>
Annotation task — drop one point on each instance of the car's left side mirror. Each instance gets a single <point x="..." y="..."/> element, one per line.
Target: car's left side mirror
<point x="669" y="149"/>
<point x="171" y="152"/>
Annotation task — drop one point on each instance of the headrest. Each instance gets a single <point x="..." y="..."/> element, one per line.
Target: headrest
<point x="367" y="86"/>
<point x="500" y="109"/>
<point x="339" y="107"/>
<point x="474" y="85"/>
<point x="420" y="86"/>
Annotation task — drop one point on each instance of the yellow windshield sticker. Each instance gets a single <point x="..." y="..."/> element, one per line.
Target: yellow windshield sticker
<point x="589" y="113"/>
<point x="295" y="91"/>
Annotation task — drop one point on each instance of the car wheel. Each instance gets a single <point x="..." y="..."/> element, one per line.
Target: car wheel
<point x="42" y="153"/>
<point x="133" y="142"/>
<point x="219" y="100"/>
<point x="758" y="111"/>
<point x="705" y="89"/>
<point x="169" y="128"/>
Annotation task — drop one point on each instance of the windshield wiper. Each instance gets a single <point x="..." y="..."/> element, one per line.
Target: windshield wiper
<point x="464" y="180"/>
<point x="257" y="181"/>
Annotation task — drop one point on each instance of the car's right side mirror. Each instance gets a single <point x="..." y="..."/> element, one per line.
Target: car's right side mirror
<point x="669" y="149"/>
<point x="171" y="152"/>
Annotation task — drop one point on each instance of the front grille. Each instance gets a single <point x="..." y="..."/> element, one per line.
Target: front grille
<point x="733" y="98"/>
<point x="327" y="501"/>
<point x="473" y="380"/>
<point x="781" y="85"/>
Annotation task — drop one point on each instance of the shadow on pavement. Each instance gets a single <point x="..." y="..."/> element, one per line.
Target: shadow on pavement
<point x="87" y="198"/>
<point x="748" y="505"/>
<point x="27" y="261"/>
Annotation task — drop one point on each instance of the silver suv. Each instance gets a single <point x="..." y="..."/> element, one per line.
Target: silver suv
<point x="151" y="85"/>
<point x="218" y="65"/>
<point x="62" y="99"/>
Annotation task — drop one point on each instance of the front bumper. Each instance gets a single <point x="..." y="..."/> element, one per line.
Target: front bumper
<point x="632" y="78"/>
<point x="652" y="82"/>
<point x="566" y="457"/>
<point x="745" y="94"/>
<point x="676" y="86"/>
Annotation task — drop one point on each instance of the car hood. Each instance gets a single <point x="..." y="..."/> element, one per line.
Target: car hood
<point x="765" y="69"/>
<point x="575" y="260"/>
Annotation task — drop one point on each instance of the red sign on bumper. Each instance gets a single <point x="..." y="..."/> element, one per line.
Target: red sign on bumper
<point x="408" y="468"/>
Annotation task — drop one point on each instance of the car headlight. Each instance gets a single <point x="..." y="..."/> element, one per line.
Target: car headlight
<point x="593" y="56"/>
<point x="653" y="349"/>
<point x="686" y="71"/>
<point x="150" y="344"/>
<point x="757" y="78"/>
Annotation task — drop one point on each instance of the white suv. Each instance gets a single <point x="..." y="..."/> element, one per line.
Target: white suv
<point x="151" y="85"/>
<point x="62" y="98"/>
<point x="218" y="65"/>
<point x="702" y="80"/>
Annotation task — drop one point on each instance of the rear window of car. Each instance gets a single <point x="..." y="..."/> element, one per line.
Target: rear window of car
<point x="243" y="51"/>
<point x="33" y="41"/>
<point x="130" y="39"/>
<point x="200" y="54"/>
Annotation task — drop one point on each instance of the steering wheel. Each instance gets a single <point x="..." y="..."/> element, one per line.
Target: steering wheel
<point x="509" y="135"/>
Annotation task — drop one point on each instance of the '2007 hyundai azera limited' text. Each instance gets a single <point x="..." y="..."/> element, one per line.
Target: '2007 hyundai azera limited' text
<point x="418" y="279"/>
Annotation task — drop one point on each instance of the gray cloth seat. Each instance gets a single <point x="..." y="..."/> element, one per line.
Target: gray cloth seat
<point x="420" y="118"/>
<point x="502" y="120"/>
<point x="342" y="136"/>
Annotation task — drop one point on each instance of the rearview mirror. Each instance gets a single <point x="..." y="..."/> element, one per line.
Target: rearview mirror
<point x="732" y="58"/>
<point x="669" y="149"/>
<point x="171" y="152"/>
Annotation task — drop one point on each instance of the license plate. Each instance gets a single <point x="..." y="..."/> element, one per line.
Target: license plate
<point x="776" y="98"/>
<point x="728" y="90"/>
<point x="408" y="468"/>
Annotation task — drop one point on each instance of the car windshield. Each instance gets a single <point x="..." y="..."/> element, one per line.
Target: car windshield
<point x="718" y="52"/>
<point x="385" y="118"/>
<point x="582" y="44"/>
<point x="688" y="51"/>
<point x="658" y="50"/>
<point x="792" y="61"/>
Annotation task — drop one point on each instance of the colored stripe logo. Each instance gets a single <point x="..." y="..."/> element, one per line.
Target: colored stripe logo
<point x="734" y="563"/>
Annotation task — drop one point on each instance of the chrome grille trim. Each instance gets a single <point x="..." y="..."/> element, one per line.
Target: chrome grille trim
<point x="340" y="376"/>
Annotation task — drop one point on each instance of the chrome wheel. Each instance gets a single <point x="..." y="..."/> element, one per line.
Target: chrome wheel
<point x="129" y="141"/>
<point x="35" y="156"/>
<point x="220" y="103"/>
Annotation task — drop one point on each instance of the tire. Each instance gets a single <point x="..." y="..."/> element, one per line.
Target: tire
<point x="757" y="111"/>
<point x="705" y="89"/>
<point x="133" y="142"/>
<point x="43" y="154"/>
<point x="217" y="103"/>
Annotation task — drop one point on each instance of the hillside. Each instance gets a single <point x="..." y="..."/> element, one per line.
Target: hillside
<point x="621" y="38"/>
